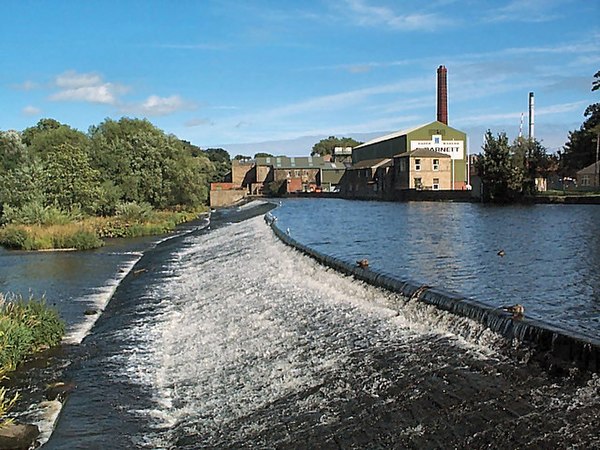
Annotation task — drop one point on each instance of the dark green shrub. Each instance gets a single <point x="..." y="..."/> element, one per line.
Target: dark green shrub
<point x="15" y="238"/>
<point x="134" y="212"/>
<point x="81" y="240"/>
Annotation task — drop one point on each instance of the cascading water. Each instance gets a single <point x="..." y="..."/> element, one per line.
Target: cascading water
<point x="230" y="339"/>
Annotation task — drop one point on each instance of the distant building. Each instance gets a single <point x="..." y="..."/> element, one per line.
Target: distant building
<point x="303" y="174"/>
<point x="368" y="179"/>
<point x="438" y="147"/>
<point x="423" y="169"/>
<point x="588" y="176"/>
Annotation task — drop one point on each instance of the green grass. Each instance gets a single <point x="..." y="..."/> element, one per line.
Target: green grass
<point x="88" y="233"/>
<point x="26" y="327"/>
<point x="78" y="236"/>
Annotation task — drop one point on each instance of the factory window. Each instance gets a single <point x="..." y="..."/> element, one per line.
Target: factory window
<point x="417" y="164"/>
<point x="436" y="165"/>
<point x="418" y="183"/>
<point x="436" y="184"/>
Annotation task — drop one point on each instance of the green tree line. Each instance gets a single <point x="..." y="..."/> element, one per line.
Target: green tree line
<point x="51" y="165"/>
<point x="508" y="171"/>
<point x="580" y="149"/>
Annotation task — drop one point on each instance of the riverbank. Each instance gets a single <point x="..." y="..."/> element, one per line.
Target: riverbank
<point x="91" y="232"/>
<point x="27" y="327"/>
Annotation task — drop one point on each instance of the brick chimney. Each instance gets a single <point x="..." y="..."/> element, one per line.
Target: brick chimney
<point x="442" y="95"/>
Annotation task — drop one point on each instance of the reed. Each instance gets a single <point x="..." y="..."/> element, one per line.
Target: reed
<point x="77" y="235"/>
<point x="26" y="327"/>
<point x="159" y="222"/>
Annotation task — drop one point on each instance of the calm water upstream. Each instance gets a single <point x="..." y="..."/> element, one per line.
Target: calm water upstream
<point x="226" y="338"/>
<point x="552" y="252"/>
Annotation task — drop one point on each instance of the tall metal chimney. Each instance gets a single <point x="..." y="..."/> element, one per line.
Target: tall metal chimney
<point x="442" y="95"/>
<point x="531" y="117"/>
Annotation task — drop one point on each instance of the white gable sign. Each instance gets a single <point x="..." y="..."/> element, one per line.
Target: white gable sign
<point x="456" y="149"/>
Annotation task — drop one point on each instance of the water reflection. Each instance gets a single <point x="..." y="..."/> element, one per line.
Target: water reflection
<point x="551" y="261"/>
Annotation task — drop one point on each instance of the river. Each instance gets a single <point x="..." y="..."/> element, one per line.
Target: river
<point x="224" y="337"/>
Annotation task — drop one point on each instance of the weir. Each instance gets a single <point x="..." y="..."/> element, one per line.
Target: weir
<point x="555" y="349"/>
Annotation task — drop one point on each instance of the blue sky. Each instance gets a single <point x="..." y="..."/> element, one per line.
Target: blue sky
<point x="277" y="76"/>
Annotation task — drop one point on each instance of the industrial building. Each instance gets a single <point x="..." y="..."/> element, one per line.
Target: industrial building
<point x="431" y="156"/>
<point x="301" y="174"/>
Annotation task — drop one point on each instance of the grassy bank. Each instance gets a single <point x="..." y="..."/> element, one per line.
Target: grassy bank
<point x="26" y="327"/>
<point x="88" y="233"/>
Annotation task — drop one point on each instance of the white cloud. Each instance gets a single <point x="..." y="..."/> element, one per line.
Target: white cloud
<point x="27" y="85"/>
<point x="31" y="110"/>
<point x="74" y="80"/>
<point x="526" y="11"/>
<point x="198" y="122"/>
<point x="160" y="106"/>
<point x="365" y="14"/>
<point x="86" y="87"/>
<point x="92" y="94"/>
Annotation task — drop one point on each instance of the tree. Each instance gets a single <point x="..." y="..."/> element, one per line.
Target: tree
<point x="501" y="178"/>
<point x="580" y="149"/>
<point x="70" y="182"/>
<point x="12" y="150"/>
<point x="146" y="165"/>
<point x="263" y="155"/>
<point x="326" y="146"/>
<point x="530" y="158"/>
<point x="596" y="82"/>
<point x="42" y="125"/>
<point x="222" y="163"/>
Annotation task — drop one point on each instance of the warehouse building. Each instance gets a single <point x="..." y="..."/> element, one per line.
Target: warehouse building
<point x="431" y="156"/>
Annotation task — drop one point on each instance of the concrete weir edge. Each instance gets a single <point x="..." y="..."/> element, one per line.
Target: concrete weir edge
<point x="555" y="349"/>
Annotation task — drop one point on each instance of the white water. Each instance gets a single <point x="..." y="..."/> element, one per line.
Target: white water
<point x="98" y="301"/>
<point x="246" y="321"/>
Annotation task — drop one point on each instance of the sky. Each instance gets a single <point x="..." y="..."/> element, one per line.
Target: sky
<point x="277" y="76"/>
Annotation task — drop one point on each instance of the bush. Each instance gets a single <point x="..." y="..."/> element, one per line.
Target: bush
<point x="36" y="237"/>
<point x="134" y="212"/>
<point x="34" y="213"/>
<point x="13" y="238"/>
<point x="82" y="240"/>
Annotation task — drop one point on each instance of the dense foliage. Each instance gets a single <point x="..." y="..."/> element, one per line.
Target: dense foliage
<point x="51" y="170"/>
<point x="222" y="162"/>
<point x="508" y="172"/>
<point x="580" y="150"/>
<point x="326" y="146"/>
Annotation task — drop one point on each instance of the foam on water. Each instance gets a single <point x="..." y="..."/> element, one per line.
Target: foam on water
<point x="245" y="321"/>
